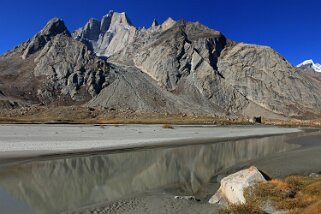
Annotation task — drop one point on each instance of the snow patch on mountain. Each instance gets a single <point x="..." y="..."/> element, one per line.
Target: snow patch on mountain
<point x="309" y="64"/>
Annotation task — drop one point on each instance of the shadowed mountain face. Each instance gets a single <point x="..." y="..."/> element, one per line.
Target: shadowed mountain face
<point x="174" y="67"/>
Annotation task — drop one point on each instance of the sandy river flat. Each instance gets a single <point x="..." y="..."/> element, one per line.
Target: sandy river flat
<point x="28" y="140"/>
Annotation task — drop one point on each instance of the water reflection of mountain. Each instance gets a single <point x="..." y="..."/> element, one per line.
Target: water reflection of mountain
<point x="53" y="186"/>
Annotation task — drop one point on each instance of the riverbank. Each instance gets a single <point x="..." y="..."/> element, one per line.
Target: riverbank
<point x="18" y="141"/>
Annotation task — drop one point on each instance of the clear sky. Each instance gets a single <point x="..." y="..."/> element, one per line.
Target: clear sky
<point x="292" y="27"/>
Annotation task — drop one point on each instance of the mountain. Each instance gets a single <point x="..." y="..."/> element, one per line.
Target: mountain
<point x="108" y="35"/>
<point x="174" y="67"/>
<point x="310" y="69"/>
<point x="310" y="65"/>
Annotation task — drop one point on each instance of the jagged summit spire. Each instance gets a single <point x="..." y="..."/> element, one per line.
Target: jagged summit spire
<point x="108" y="35"/>
<point x="54" y="27"/>
<point x="119" y="18"/>
<point x="155" y="23"/>
<point x="168" y="23"/>
<point x="113" y="18"/>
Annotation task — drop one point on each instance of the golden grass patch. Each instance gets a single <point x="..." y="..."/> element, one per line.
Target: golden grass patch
<point x="293" y="195"/>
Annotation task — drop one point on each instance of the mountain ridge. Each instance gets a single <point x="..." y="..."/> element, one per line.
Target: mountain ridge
<point x="175" y="67"/>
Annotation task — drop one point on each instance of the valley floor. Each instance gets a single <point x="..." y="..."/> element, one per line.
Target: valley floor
<point x="17" y="141"/>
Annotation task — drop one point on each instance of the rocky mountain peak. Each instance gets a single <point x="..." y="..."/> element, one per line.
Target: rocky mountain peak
<point x="113" y="19"/>
<point x="155" y="23"/>
<point x="54" y="27"/>
<point x="310" y="65"/>
<point x="120" y="18"/>
<point x="168" y="23"/>
<point x="92" y="29"/>
<point x="107" y="36"/>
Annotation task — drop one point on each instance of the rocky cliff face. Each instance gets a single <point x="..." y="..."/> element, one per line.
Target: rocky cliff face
<point x="174" y="67"/>
<point x="268" y="80"/>
<point x="53" y="67"/>
<point x="107" y="36"/>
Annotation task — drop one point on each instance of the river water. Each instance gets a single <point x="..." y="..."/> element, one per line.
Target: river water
<point x="62" y="183"/>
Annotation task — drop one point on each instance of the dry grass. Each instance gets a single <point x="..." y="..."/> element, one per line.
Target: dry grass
<point x="294" y="123"/>
<point x="84" y="115"/>
<point x="315" y="208"/>
<point x="167" y="126"/>
<point x="242" y="209"/>
<point x="293" y="195"/>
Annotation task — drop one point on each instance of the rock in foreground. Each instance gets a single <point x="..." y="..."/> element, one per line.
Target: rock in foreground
<point x="233" y="186"/>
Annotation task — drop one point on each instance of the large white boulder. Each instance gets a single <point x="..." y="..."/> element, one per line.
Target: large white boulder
<point x="233" y="186"/>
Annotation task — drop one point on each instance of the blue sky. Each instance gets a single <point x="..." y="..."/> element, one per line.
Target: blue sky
<point x="292" y="27"/>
